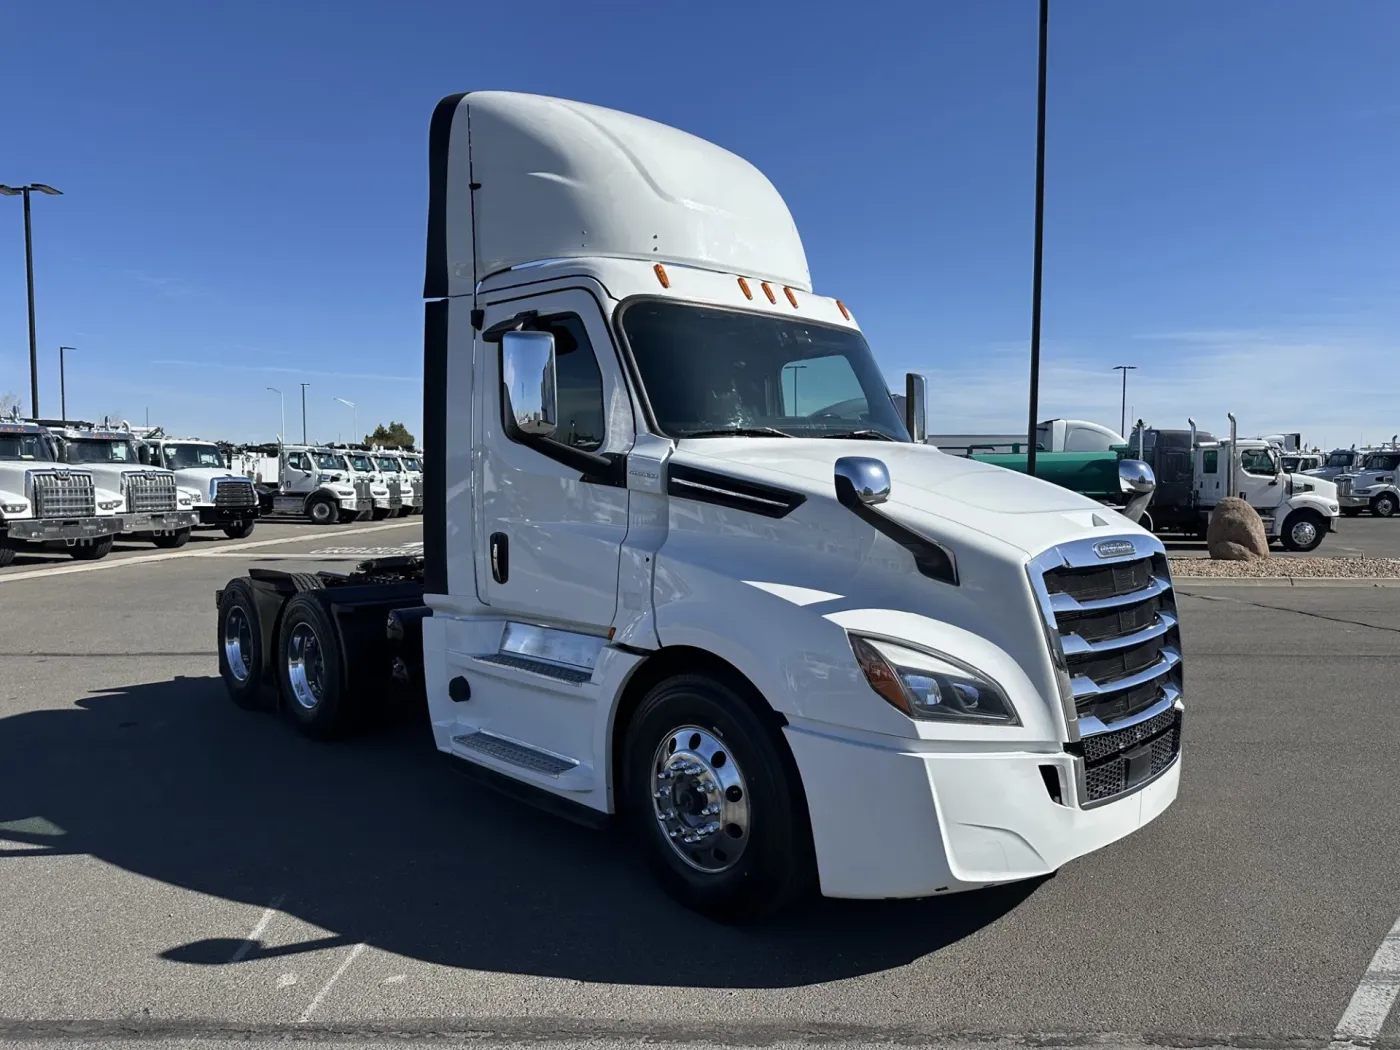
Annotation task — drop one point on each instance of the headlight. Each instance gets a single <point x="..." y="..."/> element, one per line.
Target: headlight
<point x="14" y="508"/>
<point x="928" y="686"/>
<point x="1366" y="491"/>
<point x="343" y="490"/>
<point x="110" y="504"/>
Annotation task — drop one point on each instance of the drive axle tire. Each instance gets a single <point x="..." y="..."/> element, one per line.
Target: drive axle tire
<point x="92" y="550"/>
<point x="323" y="511"/>
<point x="310" y="670"/>
<point x="1385" y="505"/>
<point x="240" y="644"/>
<point x="715" y="802"/>
<point x="7" y="555"/>
<point x="1303" y="531"/>
<point x="1351" y="512"/>
<point x="171" y="540"/>
<point x="239" y="531"/>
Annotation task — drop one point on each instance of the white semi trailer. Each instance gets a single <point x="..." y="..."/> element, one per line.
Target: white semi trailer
<point x="790" y="648"/>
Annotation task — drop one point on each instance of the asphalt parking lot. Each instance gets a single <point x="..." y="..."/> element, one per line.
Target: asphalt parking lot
<point x="1360" y="537"/>
<point x="177" y="869"/>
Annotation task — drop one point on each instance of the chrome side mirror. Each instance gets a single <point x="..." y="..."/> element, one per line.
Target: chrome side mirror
<point x="1135" y="476"/>
<point x="528" y="384"/>
<point x="861" y="480"/>
<point x="916" y="406"/>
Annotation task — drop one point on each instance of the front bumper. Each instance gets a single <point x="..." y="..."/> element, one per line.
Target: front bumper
<point x="164" y="521"/>
<point x="1356" y="502"/>
<point x="892" y="821"/>
<point x="39" y="530"/>
<point x="211" y="515"/>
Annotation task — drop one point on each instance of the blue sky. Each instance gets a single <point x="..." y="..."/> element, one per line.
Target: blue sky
<point x="245" y="193"/>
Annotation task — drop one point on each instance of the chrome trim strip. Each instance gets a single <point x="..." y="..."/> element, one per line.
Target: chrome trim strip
<point x="1090" y="725"/>
<point x="1065" y="603"/>
<point x="566" y="648"/>
<point x="727" y="492"/>
<point x="1077" y="646"/>
<point x="1084" y="686"/>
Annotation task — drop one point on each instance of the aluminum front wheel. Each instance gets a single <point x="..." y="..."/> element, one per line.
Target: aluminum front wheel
<point x="306" y="667"/>
<point x="1303" y="533"/>
<point x="238" y="644"/>
<point x="701" y="799"/>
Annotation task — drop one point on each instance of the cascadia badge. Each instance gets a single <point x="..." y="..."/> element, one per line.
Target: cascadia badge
<point x="1114" y="548"/>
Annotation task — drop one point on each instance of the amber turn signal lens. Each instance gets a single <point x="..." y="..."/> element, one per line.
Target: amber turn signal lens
<point x="661" y="275"/>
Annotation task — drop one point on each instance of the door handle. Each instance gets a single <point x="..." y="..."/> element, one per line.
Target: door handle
<point x="500" y="557"/>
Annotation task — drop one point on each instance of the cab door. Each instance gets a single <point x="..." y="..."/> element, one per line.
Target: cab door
<point x="548" y="538"/>
<point x="1259" y="482"/>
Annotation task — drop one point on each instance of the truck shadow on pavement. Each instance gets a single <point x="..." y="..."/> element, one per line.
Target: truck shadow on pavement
<point x="379" y="841"/>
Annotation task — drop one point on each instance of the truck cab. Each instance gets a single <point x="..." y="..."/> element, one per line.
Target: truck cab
<point x="45" y="503"/>
<point x="151" y="506"/>
<point x="1373" y="487"/>
<point x="1297" y="510"/>
<point x="315" y="482"/>
<point x="222" y="500"/>
<point x="1339" y="461"/>
<point x="665" y="582"/>
<point x="370" y="487"/>
<point x="394" y="470"/>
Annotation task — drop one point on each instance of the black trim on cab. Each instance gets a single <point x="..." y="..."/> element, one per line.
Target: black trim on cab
<point x="723" y="490"/>
<point x="930" y="558"/>
<point x="435" y="280"/>
<point x="435" y="318"/>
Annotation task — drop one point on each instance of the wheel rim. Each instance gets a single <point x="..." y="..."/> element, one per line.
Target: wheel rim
<point x="321" y="512"/>
<point x="700" y="799"/>
<point x="1304" y="533"/>
<point x="238" y="644"/>
<point x="306" y="666"/>
<point x="1386" y="506"/>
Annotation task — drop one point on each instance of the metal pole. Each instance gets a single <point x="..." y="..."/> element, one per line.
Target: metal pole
<point x="29" y="282"/>
<point x="303" y="412"/>
<point x="1039" y="241"/>
<point x="1123" y="412"/>
<point x="62" y="386"/>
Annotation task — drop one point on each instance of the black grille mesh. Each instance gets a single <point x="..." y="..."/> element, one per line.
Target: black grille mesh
<point x="1106" y="581"/>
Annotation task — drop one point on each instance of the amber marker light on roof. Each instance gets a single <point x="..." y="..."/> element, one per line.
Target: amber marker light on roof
<point x="768" y="291"/>
<point x="791" y="298"/>
<point x="661" y="275"/>
<point x="842" y="307"/>
<point x="744" y="287"/>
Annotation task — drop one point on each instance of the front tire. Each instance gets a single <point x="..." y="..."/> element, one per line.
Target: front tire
<point x="1385" y="505"/>
<point x="714" y="800"/>
<point x="92" y="550"/>
<point x="1303" y="531"/>
<point x="7" y="555"/>
<point x="171" y="540"/>
<point x="323" y="511"/>
<point x="310" y="671"/>
<point x="240" y="637"/>
<point x="239" y="531"/>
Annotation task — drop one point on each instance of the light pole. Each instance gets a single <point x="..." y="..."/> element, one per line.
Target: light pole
<point x="303" y="412"/>
<point x="62" y="387"/>
<point x="795" y="369"/>
<point x="283" y="402"/>
<point x="24" y="191"/>
<point x="354" y="417"/>
<point x="1039" y="241"/>
<point x="1123" y="411"/>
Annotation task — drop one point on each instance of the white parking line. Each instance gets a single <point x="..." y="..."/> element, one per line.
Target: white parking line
<point x="146" y="559"/>
<point x="325" y="988"/>
<point x="259" y="928"/>
<point x="1371" y="1002"/>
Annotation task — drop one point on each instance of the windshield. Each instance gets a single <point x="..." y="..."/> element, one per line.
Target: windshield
<point x="26" y="447"/>
<point x="98" y="450"/>
<point x="328" y="461"/>
<point x="362" y="464"/>
<point x="1383" y="461"/>
<point x="388" y="464"/>
<point x="709" y="371"/>
<point x="1259" y="461"/>
<point x="181" y="457"/>
<point x="411" y="465"/>
<point x="1340" y="459"/>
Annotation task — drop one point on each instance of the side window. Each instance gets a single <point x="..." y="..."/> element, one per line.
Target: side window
<point x="1257" y="461"/>
<point x="1212" y="461"/>
<point x="298" y="461"/>
<point x="579" y="382"/>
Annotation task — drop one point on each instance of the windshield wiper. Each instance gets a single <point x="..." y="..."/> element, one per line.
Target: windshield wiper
<point x="862" y="435"/>
<point x="737" y="432"/>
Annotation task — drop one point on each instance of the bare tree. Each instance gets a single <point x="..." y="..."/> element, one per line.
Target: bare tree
<point x="9" y="404"/>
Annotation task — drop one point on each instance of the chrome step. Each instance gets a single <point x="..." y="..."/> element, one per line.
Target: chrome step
<point x="571" y="675"/>
<point x="515" y="754"/>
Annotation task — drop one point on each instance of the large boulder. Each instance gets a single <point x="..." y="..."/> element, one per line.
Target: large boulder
<point x="1236" y="532"/>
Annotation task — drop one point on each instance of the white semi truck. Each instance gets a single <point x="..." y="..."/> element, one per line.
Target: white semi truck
<point x="1375" y="486"/>
<point x="45" y="504"/>
<point x="222" y="500"/>
<point x="309" y="481"/>
<point x="789" y="650"/>
<point x="152" y="508"/>
<point x="393" y="467"/>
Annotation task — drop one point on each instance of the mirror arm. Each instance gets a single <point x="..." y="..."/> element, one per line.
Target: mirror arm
<point x="518" y="323"/>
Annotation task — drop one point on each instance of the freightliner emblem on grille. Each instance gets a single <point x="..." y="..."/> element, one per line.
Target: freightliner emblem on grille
<point x="1114" y="548"/>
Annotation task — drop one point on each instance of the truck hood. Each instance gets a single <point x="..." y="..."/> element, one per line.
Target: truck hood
<point x="13" y="471"/>
<point x="199" y="477"/>
<point x="1003" y="504"/>
<point x="1324" y="487"/>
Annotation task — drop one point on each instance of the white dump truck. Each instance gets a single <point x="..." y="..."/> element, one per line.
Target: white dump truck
<point x="222" y="499"/>
<point x="152" y="508"/>
<point x="393" y="468"/>
<point x="1375" y="486"/>
<point x="309" y="481"/>
<point x="790" y="648"/>
<point x="45" y="504"/>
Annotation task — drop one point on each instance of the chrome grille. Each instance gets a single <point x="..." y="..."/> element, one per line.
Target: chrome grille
<point x="1115" y="620"/>
<point x="395" y="492"/>
<point x="1344" y="486"/>
<point x="417" y="489"/>
<point x="234" y="492"/>
<point x="362" y="490"/>
<point x="64" y="495"/>
<point x="149" y="493"/>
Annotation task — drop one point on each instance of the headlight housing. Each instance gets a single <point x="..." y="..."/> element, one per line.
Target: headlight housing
<point x="14" y="508"/>
<point x="930" y="686"/>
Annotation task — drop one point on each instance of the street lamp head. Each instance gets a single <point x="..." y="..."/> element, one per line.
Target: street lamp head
<point x="42" y="188"/>
<point x="11" y="191"/>
<point x="274" y="390"/>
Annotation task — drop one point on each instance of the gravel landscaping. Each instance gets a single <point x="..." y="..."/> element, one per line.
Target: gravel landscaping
<point x="1288" y="568"/>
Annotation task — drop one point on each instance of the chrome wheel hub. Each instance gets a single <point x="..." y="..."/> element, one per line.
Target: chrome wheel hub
<point x="305" y="666"/>
<point x="1304" y="533"/>
<point x="701" y="799"/>
<point x="238" y="644"/>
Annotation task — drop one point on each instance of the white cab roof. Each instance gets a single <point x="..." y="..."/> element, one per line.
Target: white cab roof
<point x="559" y="179"/>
